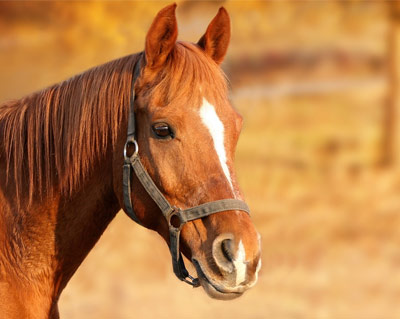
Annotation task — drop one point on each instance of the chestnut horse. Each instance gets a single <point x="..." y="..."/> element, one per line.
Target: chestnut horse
<point x="61" y="176"/>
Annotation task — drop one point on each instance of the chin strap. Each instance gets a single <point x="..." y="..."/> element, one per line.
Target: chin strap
<point x="174" y="216"/>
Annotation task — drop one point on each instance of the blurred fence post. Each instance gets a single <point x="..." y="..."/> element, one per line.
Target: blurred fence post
<point x="391" y="125"/>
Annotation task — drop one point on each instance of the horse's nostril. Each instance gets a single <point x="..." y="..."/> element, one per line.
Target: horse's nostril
<point x="223" y="252"/>
<point x="226" y="247"/>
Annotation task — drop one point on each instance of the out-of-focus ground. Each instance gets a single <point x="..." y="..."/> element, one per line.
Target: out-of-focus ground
<point x="310" y="79"/>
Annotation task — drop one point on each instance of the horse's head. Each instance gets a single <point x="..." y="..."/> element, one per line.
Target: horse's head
<point x="187" y="133"/>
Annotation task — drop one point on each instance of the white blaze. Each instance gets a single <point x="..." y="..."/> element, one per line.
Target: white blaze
<point x="240" y="264"/>
<point x="213" y="123"/>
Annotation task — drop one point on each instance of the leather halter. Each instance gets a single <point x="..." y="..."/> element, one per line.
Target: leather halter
<point x="174" y="216"/>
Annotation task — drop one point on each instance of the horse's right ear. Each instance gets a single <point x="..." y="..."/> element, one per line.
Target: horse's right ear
<point x="161" y="37"/>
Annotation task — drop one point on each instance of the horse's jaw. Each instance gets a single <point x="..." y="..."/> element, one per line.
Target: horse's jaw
<point x="221" y="289"/>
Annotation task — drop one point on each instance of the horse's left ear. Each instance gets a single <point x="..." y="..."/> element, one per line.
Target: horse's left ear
<point x="216" y="39"/>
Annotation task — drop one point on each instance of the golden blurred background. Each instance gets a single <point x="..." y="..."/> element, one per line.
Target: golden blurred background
<point x="316" y="83"/>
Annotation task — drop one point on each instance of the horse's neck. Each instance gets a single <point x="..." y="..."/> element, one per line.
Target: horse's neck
<point x="44" y="246"/>
<point x="81" y="221"/>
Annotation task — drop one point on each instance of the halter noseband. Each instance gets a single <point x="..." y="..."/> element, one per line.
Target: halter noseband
<point x="174" y="216"/>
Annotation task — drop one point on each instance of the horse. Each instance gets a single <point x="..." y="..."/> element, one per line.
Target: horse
<point x="153" y="134"/>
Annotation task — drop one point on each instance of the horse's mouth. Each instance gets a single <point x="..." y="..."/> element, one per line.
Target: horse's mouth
<point x="214" y="290"/>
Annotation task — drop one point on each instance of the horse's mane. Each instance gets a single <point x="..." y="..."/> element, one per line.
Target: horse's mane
<point x="52" y="137"/>
<point x="55" y="134"/>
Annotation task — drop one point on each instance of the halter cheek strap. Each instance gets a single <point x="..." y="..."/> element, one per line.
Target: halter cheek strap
<point x="174" y="216"/>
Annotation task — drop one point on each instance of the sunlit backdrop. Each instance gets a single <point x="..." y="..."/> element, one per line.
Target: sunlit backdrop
<point x="315" y="160"/>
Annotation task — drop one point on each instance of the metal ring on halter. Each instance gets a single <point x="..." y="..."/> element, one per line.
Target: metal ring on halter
<point x="131" y="140"/>
<point x="175" y="212"/>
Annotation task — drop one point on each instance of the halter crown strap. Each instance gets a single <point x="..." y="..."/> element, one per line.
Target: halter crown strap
<point x="130" y="140"/>
<point x="169" y="212"/>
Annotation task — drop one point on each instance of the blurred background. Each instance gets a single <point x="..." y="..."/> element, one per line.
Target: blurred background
<point x="316" y="83"/>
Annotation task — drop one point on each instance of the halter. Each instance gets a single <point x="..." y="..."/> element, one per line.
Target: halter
<point x="174" y="216"/>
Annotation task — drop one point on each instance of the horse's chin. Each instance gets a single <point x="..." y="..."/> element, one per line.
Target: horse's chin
<point x="213" y="289"/>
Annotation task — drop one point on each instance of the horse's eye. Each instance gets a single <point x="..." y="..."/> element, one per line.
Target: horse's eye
<point x="162" y="130"/>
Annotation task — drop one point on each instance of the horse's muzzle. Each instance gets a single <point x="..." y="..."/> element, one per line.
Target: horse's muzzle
<point x="233" y="277"/>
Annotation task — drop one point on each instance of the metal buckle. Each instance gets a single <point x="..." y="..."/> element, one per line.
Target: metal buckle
<point x="195" y="282"/>
<point x="131" y="140"/>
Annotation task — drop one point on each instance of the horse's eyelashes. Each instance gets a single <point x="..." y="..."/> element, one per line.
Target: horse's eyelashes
<point x="162" y="130"/>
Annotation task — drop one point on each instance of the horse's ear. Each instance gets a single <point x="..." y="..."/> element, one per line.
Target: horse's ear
<point x="161" y="37"/>
<point x="216" y="39"/>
